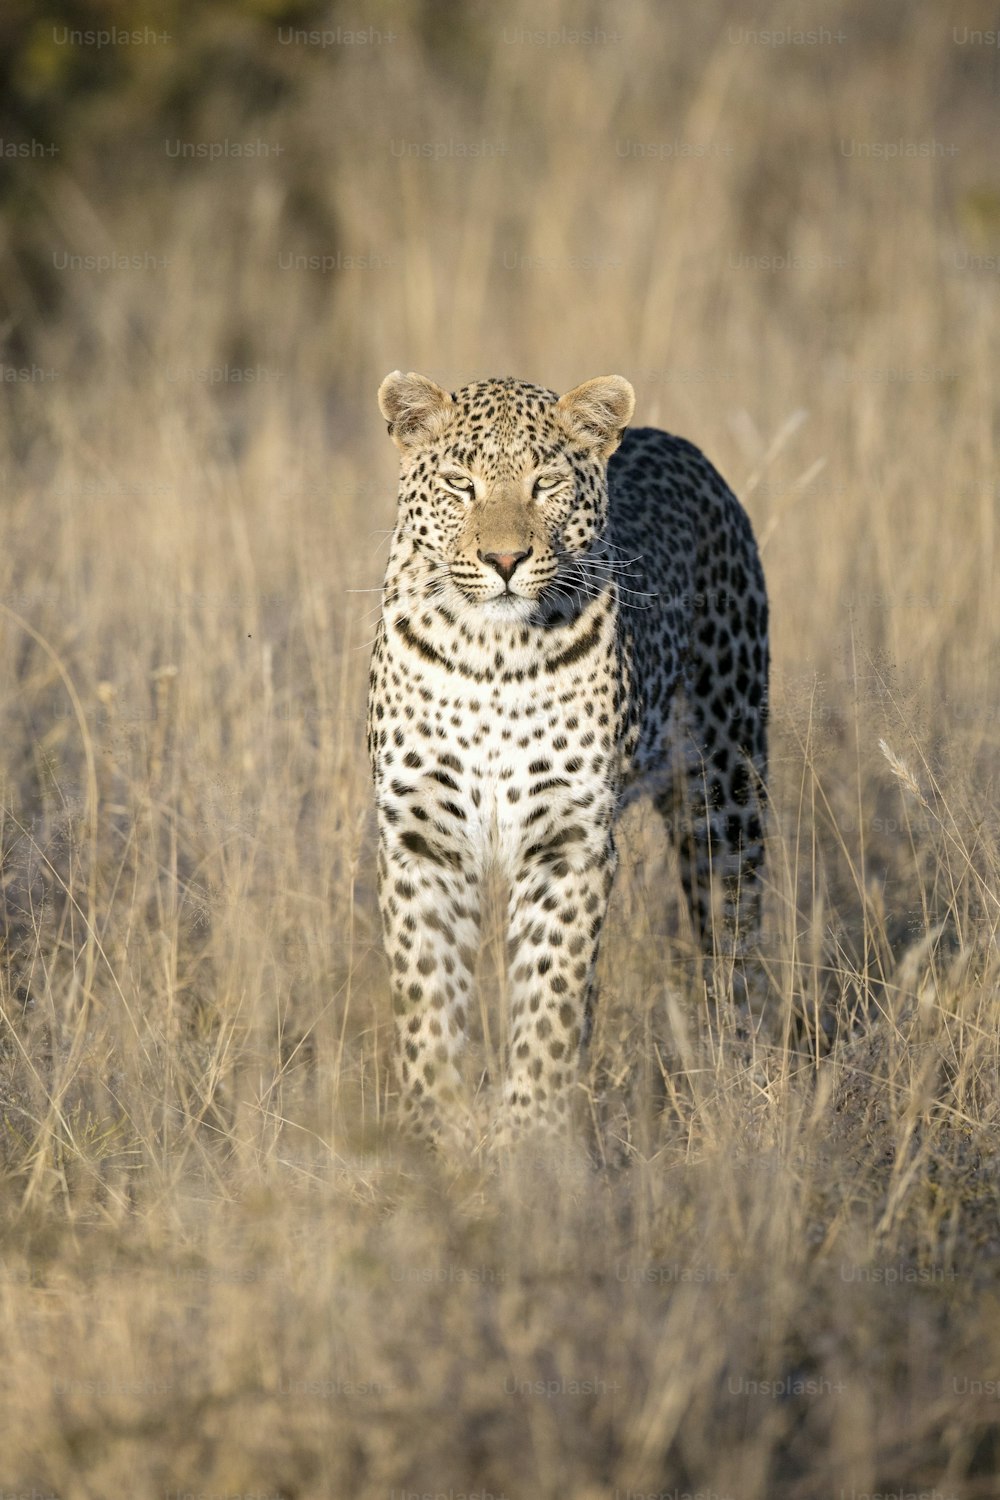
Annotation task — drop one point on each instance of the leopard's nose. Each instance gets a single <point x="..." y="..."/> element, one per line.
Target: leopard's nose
<point x="504" y="562"/>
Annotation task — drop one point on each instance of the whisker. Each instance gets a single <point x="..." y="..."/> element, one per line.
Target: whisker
<point x="605" y="565"/>
<point x="596" y="578"/>
<point x="614" y="547"/>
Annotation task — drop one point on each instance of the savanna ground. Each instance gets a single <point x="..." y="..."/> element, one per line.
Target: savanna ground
<point x="773" y="1272"/>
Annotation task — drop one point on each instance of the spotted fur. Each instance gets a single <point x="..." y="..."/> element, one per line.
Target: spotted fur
<point x="566" y="622"/>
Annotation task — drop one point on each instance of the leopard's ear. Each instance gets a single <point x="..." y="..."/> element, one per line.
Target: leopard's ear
<point x="414" y="407"/>
<point x="598" y="412"/>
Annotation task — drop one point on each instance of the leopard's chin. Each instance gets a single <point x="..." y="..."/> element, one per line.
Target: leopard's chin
<point x="509" y="608"/>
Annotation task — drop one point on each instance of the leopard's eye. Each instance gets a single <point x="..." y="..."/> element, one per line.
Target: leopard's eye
<point x="545" y="483"/>
<point x="461" y="484"/>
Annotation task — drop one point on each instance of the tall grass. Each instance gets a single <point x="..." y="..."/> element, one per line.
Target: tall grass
<point x="771" y="1270"/>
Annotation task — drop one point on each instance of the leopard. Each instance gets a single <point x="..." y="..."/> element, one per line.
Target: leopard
<point x="574" y="614"/>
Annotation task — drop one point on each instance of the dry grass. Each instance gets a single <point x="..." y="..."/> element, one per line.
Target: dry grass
<point x="220" y="1272"/>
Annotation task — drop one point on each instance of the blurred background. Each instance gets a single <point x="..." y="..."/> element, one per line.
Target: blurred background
<point x="221" y="224"/>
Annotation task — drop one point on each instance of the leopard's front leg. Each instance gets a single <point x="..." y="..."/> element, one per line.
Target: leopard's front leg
<point x="557" y="907"/>
<point x="430" y="923"/>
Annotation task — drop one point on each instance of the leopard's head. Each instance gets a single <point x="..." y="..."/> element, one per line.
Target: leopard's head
<point x="503" y="485"/>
